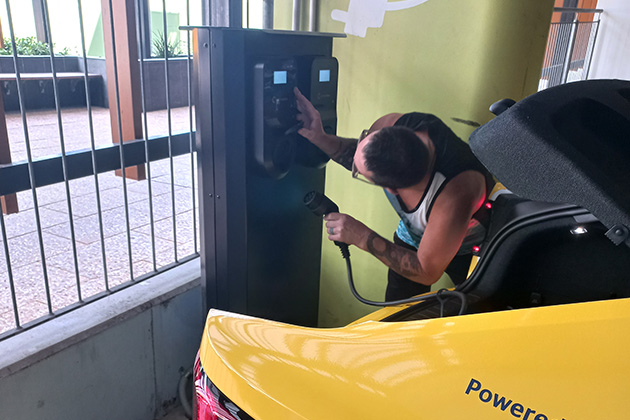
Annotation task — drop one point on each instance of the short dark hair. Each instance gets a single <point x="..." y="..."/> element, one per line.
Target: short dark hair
<point x="396" y="157"/>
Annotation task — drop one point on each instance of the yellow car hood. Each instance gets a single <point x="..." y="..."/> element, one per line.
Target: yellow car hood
<point x="560" y="362"/>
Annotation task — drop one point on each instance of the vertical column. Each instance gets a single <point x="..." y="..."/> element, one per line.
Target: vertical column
<point x="126" y="51"/>
<point x="38" y="16"/>
<point x="297" y="14"/>
<point x="223" y="13"/>
<point x="144" y="20"/>
<point x="205" y="165"/>
<point x="9" y="202"/>
<point x="569" y="55"/>
<point x="267" y="14"/>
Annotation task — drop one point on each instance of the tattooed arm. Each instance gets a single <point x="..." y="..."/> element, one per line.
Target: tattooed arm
<point x="405" y="262"/>
<point x="446" y="229"/>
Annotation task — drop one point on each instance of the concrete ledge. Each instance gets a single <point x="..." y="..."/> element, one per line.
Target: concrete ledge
<point x="43" y="341"/>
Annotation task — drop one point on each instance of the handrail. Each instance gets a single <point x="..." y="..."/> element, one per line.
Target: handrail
<point x="576" y="10"/>
<point x="48" y="170"/>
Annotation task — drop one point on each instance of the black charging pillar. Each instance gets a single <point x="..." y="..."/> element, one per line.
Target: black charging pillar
<point x="260" y="246"/>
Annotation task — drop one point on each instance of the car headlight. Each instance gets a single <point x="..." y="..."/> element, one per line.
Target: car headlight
<point x="209" y="403"/>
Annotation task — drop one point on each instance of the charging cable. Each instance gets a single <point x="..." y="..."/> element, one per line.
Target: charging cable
<point x="321" y="205"/>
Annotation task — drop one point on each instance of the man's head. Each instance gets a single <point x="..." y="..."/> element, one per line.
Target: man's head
<point x="393" y="157"/>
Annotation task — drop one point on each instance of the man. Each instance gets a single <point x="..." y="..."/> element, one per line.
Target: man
<point x="432" y="180"/>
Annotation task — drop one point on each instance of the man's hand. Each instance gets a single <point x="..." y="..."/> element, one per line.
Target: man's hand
<point x="344" y="228"/>
<point x="312" y="128"/>
<point x="339" y="149"/>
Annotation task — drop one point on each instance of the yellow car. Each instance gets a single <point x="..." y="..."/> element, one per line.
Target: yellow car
<point x="539" y="331"/>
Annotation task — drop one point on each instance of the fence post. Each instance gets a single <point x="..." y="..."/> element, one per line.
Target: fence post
<point x="8" y="202"/>
<point x="126" y="47"/>
<point x="592" y="48"/>
<point x="567" y="58"/>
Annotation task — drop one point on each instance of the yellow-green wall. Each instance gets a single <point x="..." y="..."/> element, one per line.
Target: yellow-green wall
<point x="452" y="58"/>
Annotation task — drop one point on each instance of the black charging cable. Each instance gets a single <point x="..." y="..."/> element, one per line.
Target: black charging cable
<point x="321" y="205"/>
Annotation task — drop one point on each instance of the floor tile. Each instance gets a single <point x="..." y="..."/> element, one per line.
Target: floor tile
<point x="119" y="227"/>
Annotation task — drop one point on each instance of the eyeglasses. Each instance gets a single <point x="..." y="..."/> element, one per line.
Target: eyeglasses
<point x="355" y="172"/>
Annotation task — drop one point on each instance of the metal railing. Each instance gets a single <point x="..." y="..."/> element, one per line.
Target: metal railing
<point x="88" y="244"/>
<point x="570" y="44"/>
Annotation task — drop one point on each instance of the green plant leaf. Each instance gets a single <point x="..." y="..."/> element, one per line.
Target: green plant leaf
<point x="29" y="46"/>
<point x="169" y="47"/>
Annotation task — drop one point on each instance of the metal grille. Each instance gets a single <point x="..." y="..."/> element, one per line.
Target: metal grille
<point x="84" y="231"/>
<point x="570" y="45"/>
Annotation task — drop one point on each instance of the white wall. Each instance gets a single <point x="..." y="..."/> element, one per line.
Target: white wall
<point x="611" y="57"/>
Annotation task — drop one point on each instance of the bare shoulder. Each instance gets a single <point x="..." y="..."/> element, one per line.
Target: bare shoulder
<point x="466" y="187"/>
<point x="385" y="121"/>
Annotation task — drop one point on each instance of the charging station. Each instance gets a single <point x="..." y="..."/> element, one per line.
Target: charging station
<point x="260" y="246"/>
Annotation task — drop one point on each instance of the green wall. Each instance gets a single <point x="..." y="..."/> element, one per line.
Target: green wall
<point x="452" y="58"/>
<point x="96" y="46"/>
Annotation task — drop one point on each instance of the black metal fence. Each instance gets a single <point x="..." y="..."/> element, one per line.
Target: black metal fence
<point x="570" y="44"/>
<point x="82" y="230"/>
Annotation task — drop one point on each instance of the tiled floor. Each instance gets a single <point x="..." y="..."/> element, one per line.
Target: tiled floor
<point x="63" y="236"/>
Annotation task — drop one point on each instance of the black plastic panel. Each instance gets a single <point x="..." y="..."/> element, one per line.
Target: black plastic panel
<point x="566" y="144"/>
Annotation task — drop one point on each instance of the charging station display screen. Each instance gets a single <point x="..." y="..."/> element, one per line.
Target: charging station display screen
<point x="324" y="75"/>
<point x="279" y="77"/>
